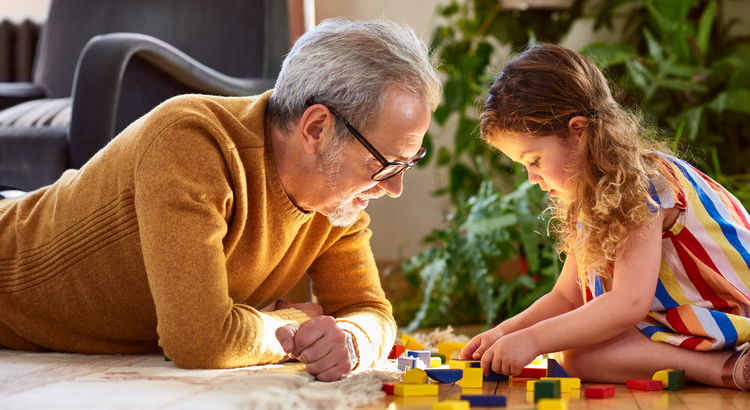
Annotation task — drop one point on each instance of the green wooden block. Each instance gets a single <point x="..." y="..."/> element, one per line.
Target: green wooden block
<point x="676" y="380"/>
<point x="441" y="356"/>
<point x="547" y="389"/>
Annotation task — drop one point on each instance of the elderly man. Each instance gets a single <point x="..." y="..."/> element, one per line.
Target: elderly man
<point x="207" y="209"/>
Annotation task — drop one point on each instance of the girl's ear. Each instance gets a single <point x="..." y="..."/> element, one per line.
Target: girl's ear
<point x="577" y="125"/>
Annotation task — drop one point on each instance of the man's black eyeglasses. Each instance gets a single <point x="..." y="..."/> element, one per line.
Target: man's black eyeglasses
<point x="389" y="169"/>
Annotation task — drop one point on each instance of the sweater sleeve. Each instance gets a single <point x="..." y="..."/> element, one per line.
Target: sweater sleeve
<point x="346" y="283"/>
<point x="183" y="203"/>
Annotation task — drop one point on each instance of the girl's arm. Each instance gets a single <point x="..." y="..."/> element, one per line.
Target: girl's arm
<point x="563" y="298"/>
<point x="634" y="285"/>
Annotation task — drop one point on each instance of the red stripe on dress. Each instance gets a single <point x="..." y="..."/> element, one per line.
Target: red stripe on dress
<point x="691" y="343"/>
<point x="687" y="241"/>
<point x="675" y="322"/>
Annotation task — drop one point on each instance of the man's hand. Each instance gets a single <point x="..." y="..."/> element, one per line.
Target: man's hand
<point x="320" y="344"/>
<point x="308" y="308"/>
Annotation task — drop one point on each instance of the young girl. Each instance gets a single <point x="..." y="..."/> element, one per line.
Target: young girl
<point x="658" y="254"/>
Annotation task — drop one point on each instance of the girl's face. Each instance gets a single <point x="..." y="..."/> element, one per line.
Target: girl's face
<point x="547" y="159"/>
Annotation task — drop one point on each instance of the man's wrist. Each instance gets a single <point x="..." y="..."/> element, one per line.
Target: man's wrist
<point x="352" y="349"/>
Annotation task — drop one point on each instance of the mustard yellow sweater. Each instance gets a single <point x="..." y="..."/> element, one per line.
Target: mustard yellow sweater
<point x="171" y="238"/>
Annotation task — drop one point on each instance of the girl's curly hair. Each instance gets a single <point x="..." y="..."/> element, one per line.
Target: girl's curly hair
<point x="537" y="94"/>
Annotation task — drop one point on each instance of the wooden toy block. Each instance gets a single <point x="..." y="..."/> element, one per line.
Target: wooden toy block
<point x="533" y="372"/>
<point x="410" y="343"/>
<point x="435" y="362"/>
<point x="396" y="352"/>
<point x="388" y="388"/>
<point x="441" y="356"/>
<point x="472" y="378"/>
<point x="547" y="389"/>
<point x="530" y="385"/>
<point x="677" y="379"/>
<point x="409" y="390"/>
<point x="552" y="404"/>
<point x="484" y="400"/>
<point x="447" y="348"/>
<point x="445" y="375"/>
<point x="555" y="370"/>
<point x="643" y="384"/>
<point x="493" y="376"/>
<point x="601" y="391"/>
<point x="538" y="360"/>
<point x="571" y="382"/>
<point x="461" y="364"/>
<point x="663" y="377"/>
<point x="415" y="376"/>
<point x="423" y="355"/>
<point x="406" y="363"/>
<point x="451" y="405"/>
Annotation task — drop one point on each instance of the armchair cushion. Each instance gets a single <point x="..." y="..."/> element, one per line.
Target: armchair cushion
<point x="31" y="157"/>
<point x="53" y="112"/>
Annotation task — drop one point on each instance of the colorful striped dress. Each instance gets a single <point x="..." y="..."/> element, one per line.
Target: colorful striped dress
<point x="702" y="297"/>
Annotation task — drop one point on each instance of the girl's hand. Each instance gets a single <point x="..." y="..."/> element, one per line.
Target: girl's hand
<point x="480" y="343"/>
<point x="511" y="353"/>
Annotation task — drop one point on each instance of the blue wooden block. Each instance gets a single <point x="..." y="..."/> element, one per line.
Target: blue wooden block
<point x="555" y="370"/>
<point x="445" y="375"/>
<point x="423" y="355"/>
<point x="492" y="377"/>
<point x="484" y="400"/>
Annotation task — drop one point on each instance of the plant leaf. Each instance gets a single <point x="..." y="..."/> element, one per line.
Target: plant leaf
<point x="732" y="100"/>
<point x="705" y="25"/>
<point x="608" y="54"/>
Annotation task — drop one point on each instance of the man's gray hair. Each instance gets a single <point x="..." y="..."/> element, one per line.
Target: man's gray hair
<point x="348" y="66"/>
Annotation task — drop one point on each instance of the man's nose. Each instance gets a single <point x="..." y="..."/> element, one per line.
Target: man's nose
<point x="393" y="186"/>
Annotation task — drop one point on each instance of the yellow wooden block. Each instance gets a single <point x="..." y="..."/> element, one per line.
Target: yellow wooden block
<point x="461" y="364"/>
<point x="410" y="343"/>
<point x="552" y="404"/>
<point x="530" y="385"/>
<point x="566" y="383"/>
<point x="435" y="362"/>
<point x="538" y="360"/>
<point x="415" y="376"/>
<point x="452" y="405"/>
<point x="663" y="376"/>
<point x="472" y="378"/>
<point x="415" y="390"/>
<point x="447" y="348"/>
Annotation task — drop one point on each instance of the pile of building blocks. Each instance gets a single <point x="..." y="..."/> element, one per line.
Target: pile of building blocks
<point x="671" y="379"/>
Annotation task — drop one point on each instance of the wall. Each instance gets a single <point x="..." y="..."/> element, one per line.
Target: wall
<point x="18" y="10"/>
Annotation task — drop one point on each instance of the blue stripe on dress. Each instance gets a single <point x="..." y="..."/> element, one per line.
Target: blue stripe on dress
<point x="727" y="328"/>
<point x="598" y="286"/>
<point x="664" y="297"/>
<point x="727" y="228"/>
<point x="653" y="329"/>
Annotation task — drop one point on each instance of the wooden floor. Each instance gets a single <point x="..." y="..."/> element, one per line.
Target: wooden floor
<point x="693" y="397"/>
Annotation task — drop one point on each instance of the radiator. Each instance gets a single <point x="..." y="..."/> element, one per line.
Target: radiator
<point x="17" y="50"/>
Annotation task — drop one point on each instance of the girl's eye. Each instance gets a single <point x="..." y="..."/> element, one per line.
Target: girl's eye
<point x="536" y="162"/>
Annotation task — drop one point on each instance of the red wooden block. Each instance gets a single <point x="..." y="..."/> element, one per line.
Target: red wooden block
<point x="396" y="352"/>
<point x="388" y="388"/>
<point x="533" y="372"/>
<point x="643" y="384"/>
<point x="600" y="392"/>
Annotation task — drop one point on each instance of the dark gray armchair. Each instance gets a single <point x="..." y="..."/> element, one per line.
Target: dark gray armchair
<point x="101" y="64"/>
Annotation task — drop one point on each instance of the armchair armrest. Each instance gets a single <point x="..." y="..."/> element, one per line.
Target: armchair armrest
<point x="16" y="93"/>
<point x="98" y="78"/>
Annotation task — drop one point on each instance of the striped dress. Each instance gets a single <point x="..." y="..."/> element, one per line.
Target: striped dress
<point x="702" y="297"/>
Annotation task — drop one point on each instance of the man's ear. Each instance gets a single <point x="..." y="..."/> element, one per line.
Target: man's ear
<point x="315" y="126"/>
<point x="577" y="125"/>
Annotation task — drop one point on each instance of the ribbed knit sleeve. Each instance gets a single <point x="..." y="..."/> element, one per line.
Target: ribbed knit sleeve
<point x="184" y="202"/>
<point x="346" y="282"/>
